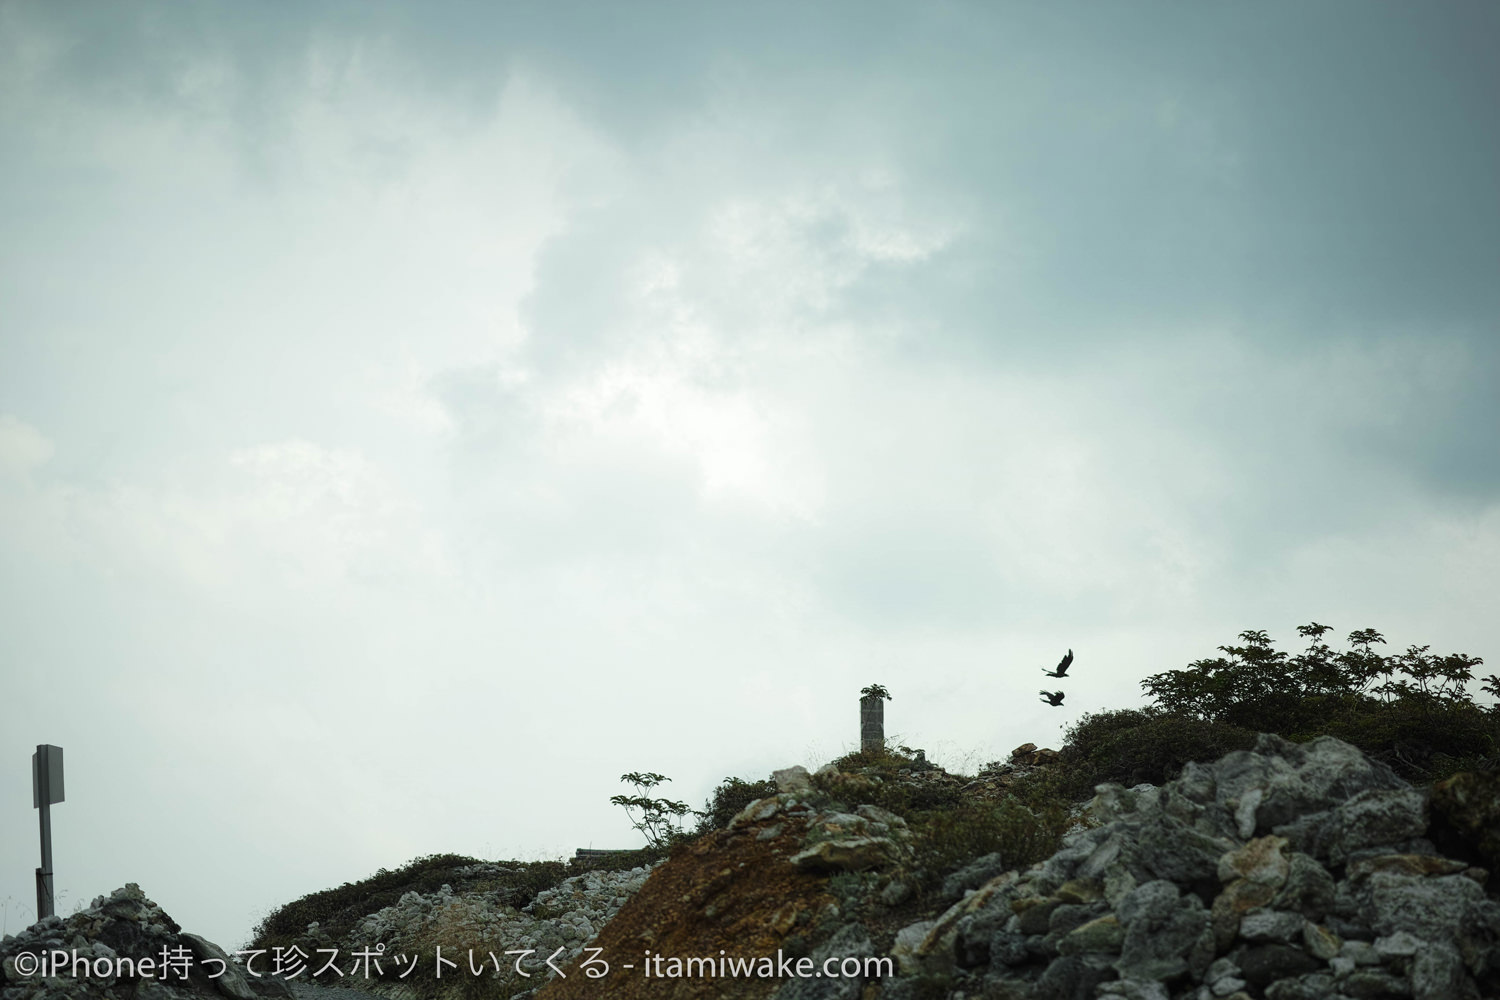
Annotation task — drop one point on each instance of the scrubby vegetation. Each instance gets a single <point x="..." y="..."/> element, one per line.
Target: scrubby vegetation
<point x="732" y="795"/>
<point x="513" y="883"/>
<point x="1413" y="710"/>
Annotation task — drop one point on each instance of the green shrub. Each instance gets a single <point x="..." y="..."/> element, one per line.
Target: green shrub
<point x="1130" y="747"/>
<point x="732" y="795"/>
<point x="1412" y="710"/>
<point x="948" y="839"/>
<point x="337" y="910"/>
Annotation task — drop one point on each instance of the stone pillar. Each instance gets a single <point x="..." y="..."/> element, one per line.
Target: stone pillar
<point x="872" y="722"/>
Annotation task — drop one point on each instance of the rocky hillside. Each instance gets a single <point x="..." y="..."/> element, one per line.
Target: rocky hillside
<point x="1286" y="871"/>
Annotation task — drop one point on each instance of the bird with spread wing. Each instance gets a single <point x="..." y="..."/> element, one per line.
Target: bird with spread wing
<point x="1053" y="698"/>
<point x="1062" y="667"/>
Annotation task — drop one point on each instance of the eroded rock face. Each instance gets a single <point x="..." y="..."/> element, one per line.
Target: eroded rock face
<point x="1288" y="871"/>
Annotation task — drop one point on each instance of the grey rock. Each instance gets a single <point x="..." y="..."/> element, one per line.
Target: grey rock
<point x="1366" y="984"/>
<point x="1072" y="977"/>
<point x="1308" y="889"/>
<point x="792" y="779"/>
<point x="1315" y="986"/>
<point x="896" y="892"/>
<point x="1271" y="925"/>
<point x="1263" y="964"/>
<point x="1036" y="916"/>
<point x="1431" y="908"/>
<point x="1161" y="928"/>
<point x="853" y="854"/>
<point x="1401" y="944"/>
<point x="231" y="982"/>
<point x="1437" y="973"/>
<point x="1133" y="989"/>
<point x="849" y="941"/>
<point x="1170" y="849"/>
<point x="972" y="875"/>
<point x="1007" y="950"/>
<point x="1319" y="941"/>
<point x="1102" y="934"/>
<point x="1220" y="969"/>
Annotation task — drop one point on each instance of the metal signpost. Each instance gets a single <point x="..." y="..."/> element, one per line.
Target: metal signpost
<point x="46" y="788"/>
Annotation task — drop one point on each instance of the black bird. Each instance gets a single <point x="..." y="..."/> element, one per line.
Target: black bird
<point x="1053" y="698"/>
<point x="1062" y="668"/>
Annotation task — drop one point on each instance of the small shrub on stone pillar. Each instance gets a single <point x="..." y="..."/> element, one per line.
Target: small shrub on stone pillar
<point x="872" y="718"/>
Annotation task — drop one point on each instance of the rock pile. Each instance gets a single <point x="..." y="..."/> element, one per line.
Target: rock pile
<point x="565" y="917"/>
<point x="1290" y="872"/>
<point x="109" y="946"/>
<point x="558" y="923"/>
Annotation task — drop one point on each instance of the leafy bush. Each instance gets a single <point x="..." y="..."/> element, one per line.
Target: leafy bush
<point x="660" y="818"/>
<point x="1412" y="709"/>
<point x="732" y="795"/>
<point x="336" y="911"/>
<point x="1130" y="747"/>
<point x="948" y="839"/>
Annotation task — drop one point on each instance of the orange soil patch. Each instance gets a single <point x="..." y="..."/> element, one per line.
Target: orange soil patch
<point x="726" y="891"/>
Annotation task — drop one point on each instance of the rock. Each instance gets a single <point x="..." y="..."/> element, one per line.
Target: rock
<point x="972" y="875"/>
<point x="1265" y="963"/>
<point x="1319" y="941"/>
<point x="1079" y="890"/>
<point x="792" y="779"/>
<point x="1432" y="908"/>
<point x="1364" y="984"/>
<point x="1466" y="810"/>
<point x="1437" y="973"/>
<point x="1315" y="986"/>
<point x="1309" y="889"/>
<point x="1398" y="945"/>
<point x="854" y="854"/>
<point x="232" y="982"/>
<point x="1259" y="861"/>
<point x="1102" y="934"/>
<point x="1161" y="927"/>
<point x="1073" y="977"/>
<point x="1169" y="849"/>
<point x="1238" y="898"/>
<point x="896" y="892"/>
<point x="907" y="948"/>
<point x="1035" y="913"/>
<point x="1271" y="925"/>
<point x="879" y="817"/>
<point x="113" y="937"/>
<point x="756" y="812"/>
<point x="1413" y="865"/>
<point x="849" y="941"/>
<point x="1133" y="989"/>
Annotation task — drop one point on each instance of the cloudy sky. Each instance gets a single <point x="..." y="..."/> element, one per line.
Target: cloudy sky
<point x="415" y="416"/>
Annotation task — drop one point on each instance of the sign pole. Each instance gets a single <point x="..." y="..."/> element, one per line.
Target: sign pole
<point x="46" y="788"/>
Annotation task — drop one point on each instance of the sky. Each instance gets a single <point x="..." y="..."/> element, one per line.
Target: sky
<point x="414" y="417"/>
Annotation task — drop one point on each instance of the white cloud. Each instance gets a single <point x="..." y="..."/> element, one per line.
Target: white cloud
<point x="22" y="447"/>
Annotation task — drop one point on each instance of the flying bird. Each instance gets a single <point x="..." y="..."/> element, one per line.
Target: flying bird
<point x="1053" y="698"/>
<point x="1062" y="668"/>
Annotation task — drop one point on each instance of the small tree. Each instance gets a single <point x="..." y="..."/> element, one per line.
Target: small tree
<point x="659" y="817"/>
